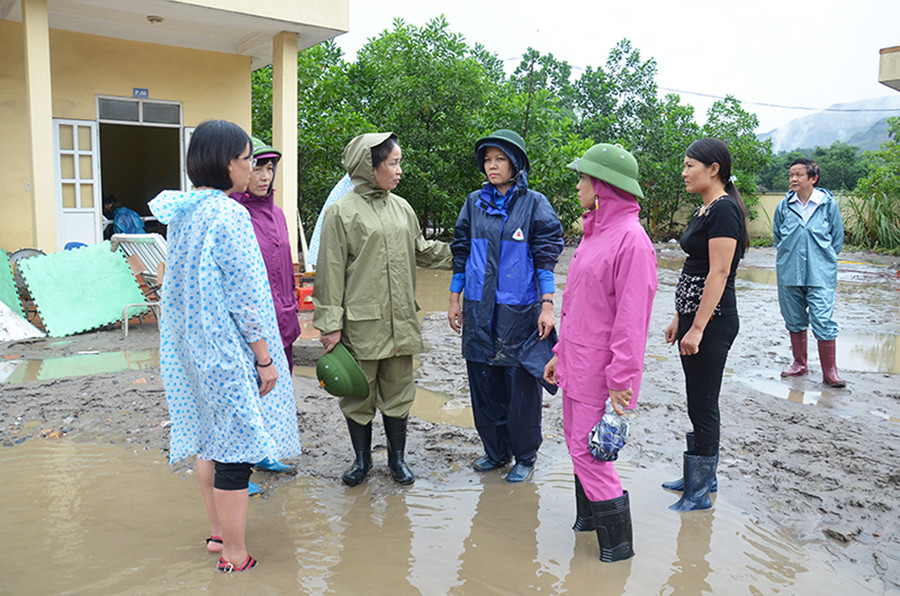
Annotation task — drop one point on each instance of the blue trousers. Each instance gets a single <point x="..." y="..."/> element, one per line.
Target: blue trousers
<point x="805" y="305"/>
<point x="507" y="405"/>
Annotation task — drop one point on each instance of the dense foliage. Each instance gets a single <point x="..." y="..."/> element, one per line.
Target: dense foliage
<point x="874" y="209"/>
<point x="841" y="165"/>
<point x="439" y="94"/>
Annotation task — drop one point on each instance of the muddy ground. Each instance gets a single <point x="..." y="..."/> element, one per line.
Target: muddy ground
<point x="826" y="471"/>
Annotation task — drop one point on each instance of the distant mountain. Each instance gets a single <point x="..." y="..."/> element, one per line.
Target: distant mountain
<point x="866" y="130"/>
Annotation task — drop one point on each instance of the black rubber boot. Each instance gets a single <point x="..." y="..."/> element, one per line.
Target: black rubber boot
<point x="361" y="437"/>
<point x="395" y="431"/>
<point x="584" y="521"/>
<point x="612" y="520"/>
<point x="698" y="473"/>
<point x="679" y="484"/>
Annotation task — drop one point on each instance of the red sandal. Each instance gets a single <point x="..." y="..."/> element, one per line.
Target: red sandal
<point x="226" y="567"/>
<point x="214" y="540"/>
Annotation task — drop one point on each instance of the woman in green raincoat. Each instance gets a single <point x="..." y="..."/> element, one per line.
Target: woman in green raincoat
<point x="364" y="295"/>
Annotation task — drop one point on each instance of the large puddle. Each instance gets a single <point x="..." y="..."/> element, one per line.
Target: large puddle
<point x="87" y="519"/>
<point x="848" y="271"/>
<point x="77" y="365"/>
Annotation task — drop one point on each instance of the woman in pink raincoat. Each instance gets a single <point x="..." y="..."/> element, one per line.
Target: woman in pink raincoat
<point x="603" y="333"/>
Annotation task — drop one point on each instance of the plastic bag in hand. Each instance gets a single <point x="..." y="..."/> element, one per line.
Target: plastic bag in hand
<point x="608" y="435"/>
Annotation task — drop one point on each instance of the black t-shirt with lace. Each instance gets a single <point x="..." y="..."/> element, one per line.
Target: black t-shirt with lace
<point x="722" y="219"/>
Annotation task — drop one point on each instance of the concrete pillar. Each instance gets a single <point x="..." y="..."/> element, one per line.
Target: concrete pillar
<point x="36" y="30"/>
<point x="284" y="128"/>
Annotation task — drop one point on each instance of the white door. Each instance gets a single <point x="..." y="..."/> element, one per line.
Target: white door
<point x="78" y="192"/>
<point x="186" y="133"/>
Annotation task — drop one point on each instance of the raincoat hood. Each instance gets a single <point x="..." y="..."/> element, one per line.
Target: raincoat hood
<point x="357" y="161"/>
<point x="251" y="201"/>
<point x="613" y="206"/>
<point x="510" y="143"/>
<point x="170" y="205"/>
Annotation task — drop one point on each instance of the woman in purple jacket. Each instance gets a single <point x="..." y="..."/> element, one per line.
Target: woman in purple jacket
<point x="272" y="234"/>
<point x="603" y="333"/>
<point x="271" y="231"/>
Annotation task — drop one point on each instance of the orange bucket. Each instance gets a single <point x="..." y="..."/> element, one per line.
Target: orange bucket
<point x="304" y="297"/>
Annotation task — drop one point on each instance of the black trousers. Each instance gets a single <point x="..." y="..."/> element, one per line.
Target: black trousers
<point x="703" y="378"/>
<point x="507" y="407"/>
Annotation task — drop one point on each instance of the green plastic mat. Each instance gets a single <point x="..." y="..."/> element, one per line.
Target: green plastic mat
<point x="81" y="289"/>
<point x="8" y="292"/>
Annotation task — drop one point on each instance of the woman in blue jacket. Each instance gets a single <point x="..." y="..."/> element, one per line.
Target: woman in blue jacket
<point x="506" y="243"/>
<point x="809" y="235"/>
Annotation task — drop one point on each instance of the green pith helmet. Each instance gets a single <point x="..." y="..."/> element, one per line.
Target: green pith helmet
<point x="260" y="150"/>
<point x="341" y="375"/>
<point x="612" y="164"/>
<point x="509" y="141"/>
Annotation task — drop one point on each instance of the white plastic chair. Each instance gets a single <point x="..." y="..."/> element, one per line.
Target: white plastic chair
<point x="150" y="250"/>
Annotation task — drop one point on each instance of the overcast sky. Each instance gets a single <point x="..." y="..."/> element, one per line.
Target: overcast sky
<point x="787" y="52"/>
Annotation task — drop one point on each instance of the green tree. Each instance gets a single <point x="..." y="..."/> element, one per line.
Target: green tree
<point x="875" y="206"/>
<point x="774" y="176"/>
<point x="325" y="122"/>
<point x="537" y="72"/>
<point x="841" y="166"/>
<point x="425" y="84"/>
<point x="659" y="147"/>
<point x="727" y="120"/>
<point x="614" y="102"/>
<point x="439" y="95"/>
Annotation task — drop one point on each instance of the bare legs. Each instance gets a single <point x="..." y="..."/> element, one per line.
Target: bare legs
<point x="232" y="506"/>
<point x="206" y="474"/>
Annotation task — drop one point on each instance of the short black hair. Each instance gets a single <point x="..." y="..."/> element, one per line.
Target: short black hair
<point x="812" y="168"/>
<point x="382" y="150"/>
<point x="213" y="145"/>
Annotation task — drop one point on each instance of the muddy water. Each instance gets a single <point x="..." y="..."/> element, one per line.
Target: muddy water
<point x="865" y="352"/>
<point x="88" y="363"/>
<point x="811" y="392"/>
<point x="87" y="519"/>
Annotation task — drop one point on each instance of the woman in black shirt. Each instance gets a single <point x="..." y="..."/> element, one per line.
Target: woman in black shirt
<point x="706" y="319"/>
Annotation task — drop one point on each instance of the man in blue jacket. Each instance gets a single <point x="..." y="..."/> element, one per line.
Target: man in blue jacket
<point x="809" y="235"/>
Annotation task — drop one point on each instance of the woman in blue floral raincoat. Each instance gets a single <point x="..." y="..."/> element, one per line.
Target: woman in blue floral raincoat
<point x="224" y="371"/>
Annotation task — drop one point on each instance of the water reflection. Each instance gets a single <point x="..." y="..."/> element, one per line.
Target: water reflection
<point x="759" y="275"/>
<point x="870" y="352"/>
<point x="432" y="290"/>
<point x="501" y="544"/>
<point x="83" y="364"/>
<point x="690" y="569"/>
<point x="807" y="390"/>
<point x="435" y="407"/>
<point x="776" y="562"/>
<point x="378" y="541"/>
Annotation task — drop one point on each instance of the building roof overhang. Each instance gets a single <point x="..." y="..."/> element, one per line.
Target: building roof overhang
<point x="229" y="26"/>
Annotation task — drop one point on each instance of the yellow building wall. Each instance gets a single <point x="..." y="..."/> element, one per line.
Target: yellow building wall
<point x="208" y="85"/>
<point x="761" y="227"/>
<point x="15" y="196"/>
